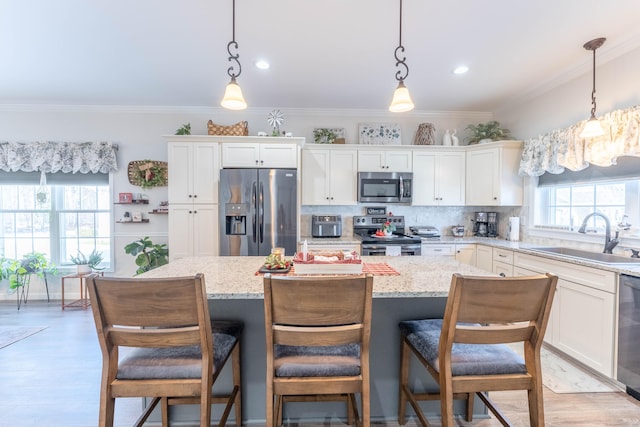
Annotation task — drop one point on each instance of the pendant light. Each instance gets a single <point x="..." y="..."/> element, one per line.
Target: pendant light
<point x="593" y="128"/>
<point x="233" y="99"/>
<point x="401" y="99"/>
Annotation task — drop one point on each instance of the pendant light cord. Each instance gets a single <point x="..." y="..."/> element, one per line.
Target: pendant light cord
<point x="401" y="74"/>
<point x="233" y="57"/>
<point x="593" y="92"/>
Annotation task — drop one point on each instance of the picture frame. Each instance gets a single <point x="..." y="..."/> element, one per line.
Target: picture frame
<point x="125" y="197"/>
<point x="136" y="217"/>
<point x="379" y="134"/>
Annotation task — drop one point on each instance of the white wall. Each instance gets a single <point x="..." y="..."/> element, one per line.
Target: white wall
<point x="138" y="132"/>
<point x="617" y="87"/>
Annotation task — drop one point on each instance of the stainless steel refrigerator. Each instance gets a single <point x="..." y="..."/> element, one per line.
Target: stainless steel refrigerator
<point x="258" y="211"/>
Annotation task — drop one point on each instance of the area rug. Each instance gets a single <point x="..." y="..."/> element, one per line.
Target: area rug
<point x="561" y="376"/>
<point x="12" y="334"/>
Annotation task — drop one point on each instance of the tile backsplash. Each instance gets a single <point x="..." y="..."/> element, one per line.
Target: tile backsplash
<point x="442" y="218"/>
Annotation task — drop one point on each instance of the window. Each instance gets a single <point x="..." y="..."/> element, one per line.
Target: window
<point x="70" y="218"/>
<point x="564" y="206"/>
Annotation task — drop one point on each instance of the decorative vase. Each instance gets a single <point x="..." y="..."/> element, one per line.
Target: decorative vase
<point x="446" y="139"/>
<point x="454" y="139"/>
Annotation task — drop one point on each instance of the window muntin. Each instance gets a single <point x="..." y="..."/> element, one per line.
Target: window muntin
<point x="73" y="218"/>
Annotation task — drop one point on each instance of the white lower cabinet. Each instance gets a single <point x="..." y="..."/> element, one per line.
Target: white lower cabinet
<point x="502" y="262"/>
<point x="193" y="230"/>
<point x="583" y="312"/>
<point x="438" y="250"/>
<point x="466" y="253"/>
<point x="484" y="257"/>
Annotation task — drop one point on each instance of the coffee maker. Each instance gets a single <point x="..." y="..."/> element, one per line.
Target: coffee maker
<point x="480" y="227"/>
<point x="492" y="224"/>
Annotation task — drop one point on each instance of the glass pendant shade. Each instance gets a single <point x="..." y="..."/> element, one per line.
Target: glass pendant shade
<point x="592" y="128"/>
<point x="401" y="101"/>
<point x="233" y="99"/>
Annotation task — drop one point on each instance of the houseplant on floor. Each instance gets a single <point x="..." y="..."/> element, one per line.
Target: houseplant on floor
<point x="18" y="272"/>
<point x="148" y="255"/>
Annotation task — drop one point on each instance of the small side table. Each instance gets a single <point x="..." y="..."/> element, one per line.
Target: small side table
<point x="83" y="302"/>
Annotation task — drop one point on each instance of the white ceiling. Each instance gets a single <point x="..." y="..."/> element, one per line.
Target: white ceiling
<point x="323" y="53"/>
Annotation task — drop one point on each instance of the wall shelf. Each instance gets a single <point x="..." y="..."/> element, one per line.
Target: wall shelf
<point x="132" y="222"/>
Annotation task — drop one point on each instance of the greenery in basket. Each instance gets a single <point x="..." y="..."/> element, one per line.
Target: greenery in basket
<point x="184" y="130"/>
<point x="149" y="174"/>
<point x="17" y="271"/>
<point x="148" y="254"/>
<point x="93" y="260"/>
<point x="490" y="130"/>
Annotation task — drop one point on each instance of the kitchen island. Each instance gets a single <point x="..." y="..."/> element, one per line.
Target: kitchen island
<point x="235" y="291"/>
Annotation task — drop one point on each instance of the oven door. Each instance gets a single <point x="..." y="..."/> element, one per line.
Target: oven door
<point x="381" y="250"/>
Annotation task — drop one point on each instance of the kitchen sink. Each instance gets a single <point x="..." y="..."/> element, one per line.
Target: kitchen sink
<point x="589" y="256"/>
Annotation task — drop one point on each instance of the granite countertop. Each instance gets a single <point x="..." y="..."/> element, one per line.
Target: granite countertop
<point x="342" y="240"/>
<point x="235" y="277"/>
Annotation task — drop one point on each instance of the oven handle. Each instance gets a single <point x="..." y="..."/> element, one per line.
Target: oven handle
<point x="401" y="189"/>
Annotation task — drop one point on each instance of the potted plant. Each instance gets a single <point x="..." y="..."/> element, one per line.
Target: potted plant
<point x="88" y="264"/>
<point x="18" y="272"/>
<point x="148" y="254"/>
<point x="485" y="132"/>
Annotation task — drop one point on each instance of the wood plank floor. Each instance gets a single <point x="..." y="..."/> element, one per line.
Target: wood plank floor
<point x="52" y="379"/>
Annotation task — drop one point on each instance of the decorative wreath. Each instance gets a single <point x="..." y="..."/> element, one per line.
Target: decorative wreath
<point x="148" y="173"/>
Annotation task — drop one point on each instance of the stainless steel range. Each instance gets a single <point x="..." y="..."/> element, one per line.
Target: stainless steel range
<point x="399" y="242"/>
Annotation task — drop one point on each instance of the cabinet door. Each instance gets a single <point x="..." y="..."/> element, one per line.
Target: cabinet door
<point x="343" y="177"/>
<point x="205" y="230"/>
<point x="399" y="161"/>
<point x="278" y="156"/>
<point x="466" y="254"/>
<point x="586" y="325"/>
<point x="372" y="161"/>
<point x="240" y="155"/>
<point x="205" y="173"/>
<point x="180" y="172"/>
<point x="503" y="269"/>
<point x="482" y="173"/>
<point x="315" y="177"/>
<point x="450" y="179"/>
<point x="180" y="231"/>
<point x="424" y="179"/>
<point x="484" y="257"/>
<point x="552" y="325"/>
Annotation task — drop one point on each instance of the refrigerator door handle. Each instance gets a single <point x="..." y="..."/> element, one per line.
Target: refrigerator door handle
<point x="261" y="223"/>
<point x="254" y="205"/>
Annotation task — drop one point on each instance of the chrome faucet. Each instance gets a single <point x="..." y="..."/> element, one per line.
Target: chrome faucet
<point x="609" y="243"/>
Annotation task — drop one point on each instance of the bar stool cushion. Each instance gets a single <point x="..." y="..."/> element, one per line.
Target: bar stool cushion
<point x="307" y="361"/>
<point x="466" y="359"/>
<point x="180" y="362"/>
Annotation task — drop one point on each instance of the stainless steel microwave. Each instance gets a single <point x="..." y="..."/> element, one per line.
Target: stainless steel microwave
<point x="385" y="187"/>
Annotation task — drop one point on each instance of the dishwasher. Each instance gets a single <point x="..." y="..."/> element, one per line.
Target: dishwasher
<point x="629" y="334"/>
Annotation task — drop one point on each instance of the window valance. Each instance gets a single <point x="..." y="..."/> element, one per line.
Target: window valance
<point x="65" y="157"/>
<point x="563" y="148"/>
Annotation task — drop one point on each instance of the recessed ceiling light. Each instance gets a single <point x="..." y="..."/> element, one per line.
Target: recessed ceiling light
<point x="460" y="69"/>
<point x="262" y="64"/>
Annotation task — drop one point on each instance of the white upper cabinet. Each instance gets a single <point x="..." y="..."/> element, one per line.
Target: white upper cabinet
<point x="492" y="175"/>
<point x="384" y="160"/>
<point x="259" y="155"/>
<point x="438" y="178"/>
<point x="194" y="171"/>
<point x="329" y="176"/>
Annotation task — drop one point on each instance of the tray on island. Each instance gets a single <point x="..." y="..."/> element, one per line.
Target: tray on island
<point x="328" y="263"/>
<point x="264" y="269"/>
